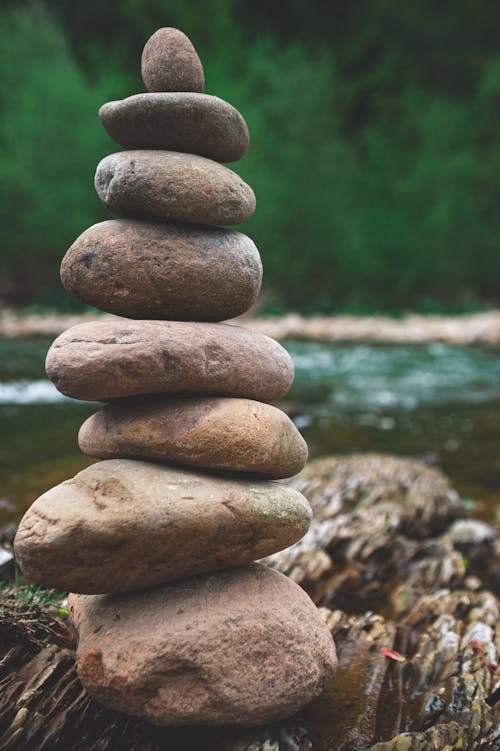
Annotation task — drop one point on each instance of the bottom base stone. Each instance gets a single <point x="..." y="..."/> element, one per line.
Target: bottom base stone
<point x="244" y="646"/>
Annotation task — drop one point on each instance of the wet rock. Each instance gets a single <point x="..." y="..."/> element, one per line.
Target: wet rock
<point x="378" y="537"/>
<point x="100" y="361"/>
<point x="345" y="716"/>
<point x="428" y="681"/>
<point x="174" y="186"/>
<point x="235" y="435"/>
<point x="413" y="498"/>
<point x="7" y="533"/>
<point x="7" y="564"/>
<point x="210" y="650"/>
<point x="443" y="695"/>
<point x="170" y="62"/>
<point x="191" y="123"/>
<point x="470" y="532"/>
<point x="122" y="525"/>
<point x="163" y="270"/>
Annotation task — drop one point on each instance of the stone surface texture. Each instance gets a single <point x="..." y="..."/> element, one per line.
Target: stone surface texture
<point x="235" y="435"/>
<point x="182" y="655"/>
<point x="170" y="62"/>
<point x="191" y="123"/>
<point x="120" y="525"/>
<point x="163" y="270"/>
<point x="383" y="531"/>
<point x="176" y="623"/>
<point x="175" y="186"/>
<point x="444" y="642"/>
<point x="100" y="361"/>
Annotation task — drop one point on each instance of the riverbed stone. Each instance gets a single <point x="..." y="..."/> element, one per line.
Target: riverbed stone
<point x="163" y="270"/>
<point x="105" y="360"/>
<point x="240" y="647"/>
<point x="175" y="186"/>
<point x="382" y="532"/>
<point x="179" y="121"/>
<point x="170" y="62"/>
<point x="120" y="525"/>
<point x="235" y="435"/>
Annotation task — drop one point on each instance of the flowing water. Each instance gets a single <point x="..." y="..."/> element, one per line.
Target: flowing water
<point x="435" y="402"/>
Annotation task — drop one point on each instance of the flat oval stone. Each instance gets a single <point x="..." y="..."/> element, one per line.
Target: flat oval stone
<point x="105" y="360"/>
<point x="241" y="647"/>
<point x="170" y="62"/>
<point x="237" y="435"/>
<point x="123" y="525"/>
<point x="192" y="123"/>
<point x="163" y="270"/>
<point x="181" y="187"/>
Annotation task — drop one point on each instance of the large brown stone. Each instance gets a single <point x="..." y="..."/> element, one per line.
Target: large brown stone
<point x="170" y="62"/>
<point x="192" y="123"/>
<point x="241" y="647"/>
<point x="236" y="435"/>
<point x="105" y="360"/>
<point x="170" y="185"/>
<point x="120" y="525"/>
<point x="163" y="270"/>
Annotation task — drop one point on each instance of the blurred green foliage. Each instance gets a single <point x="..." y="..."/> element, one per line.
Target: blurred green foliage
<point x="375" y="155"/>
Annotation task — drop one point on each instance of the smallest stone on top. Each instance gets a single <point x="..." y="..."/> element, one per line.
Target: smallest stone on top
<point x="170" y="63"/>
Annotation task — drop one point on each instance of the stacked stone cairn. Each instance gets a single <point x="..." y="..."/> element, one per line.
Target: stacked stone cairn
<point x="176" y="623"/>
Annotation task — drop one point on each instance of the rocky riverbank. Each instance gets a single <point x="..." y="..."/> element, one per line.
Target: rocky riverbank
<point x="472" y="329"/>
<point x="406" y="583"/>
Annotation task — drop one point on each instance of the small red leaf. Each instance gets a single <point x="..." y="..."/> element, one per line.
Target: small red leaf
<point x="393" y="655"/>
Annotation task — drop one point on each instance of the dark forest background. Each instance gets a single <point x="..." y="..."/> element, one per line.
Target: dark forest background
<point x="375" y="151"/>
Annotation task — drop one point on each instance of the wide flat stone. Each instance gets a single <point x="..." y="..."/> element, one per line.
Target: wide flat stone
<point x="163" y="270"/>
<point x="241" y="647"/>
<point x="120" y="525"/>
<point x="236" y="435"/>
<point x="181" y="121"/>
<point x="105" y="360"/>
<point x="170" y="185"/>
<point x="169" y="62"/>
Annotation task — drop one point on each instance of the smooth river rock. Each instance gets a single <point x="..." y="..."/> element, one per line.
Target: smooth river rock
<point x="163" y="270"/>
<point x="120" y="525"/>
<point x="170" y="185"/>
<point x="104" y="360"/>
<point x="192" y="123"/>
<point x="236" y="435"/>
<point x="170" y="62"/>
<point x="241" y="647"/>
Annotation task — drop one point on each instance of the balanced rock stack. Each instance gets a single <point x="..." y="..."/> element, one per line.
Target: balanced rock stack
<point x="176" y="623"/>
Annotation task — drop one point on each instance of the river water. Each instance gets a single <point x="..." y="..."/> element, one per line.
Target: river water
<point x="435" y="402"/>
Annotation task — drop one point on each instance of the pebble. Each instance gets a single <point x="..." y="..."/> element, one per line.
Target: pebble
<point x="170" y="185"/>
<point x="192" y="123"/>
<point x="170" y="63"/>
<point x="120" y="525"/>
<point x="233" y="435"/>
<point x="107" y="360"/>
<point x="241" y="647"/>
<point x="163" y="270"/>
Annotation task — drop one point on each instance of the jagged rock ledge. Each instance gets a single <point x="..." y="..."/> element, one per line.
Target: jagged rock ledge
<point x="408" y="586"/>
